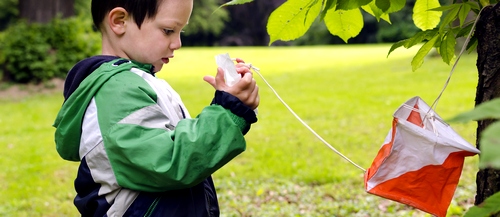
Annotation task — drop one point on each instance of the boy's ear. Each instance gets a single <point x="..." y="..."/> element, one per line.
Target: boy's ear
<point x="117" y="20"/>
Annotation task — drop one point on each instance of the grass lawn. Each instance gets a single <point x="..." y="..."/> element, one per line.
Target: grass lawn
<point x="346" y="93"/>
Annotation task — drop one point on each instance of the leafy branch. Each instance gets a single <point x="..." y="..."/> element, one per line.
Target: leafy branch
<point x="343" y="18"/>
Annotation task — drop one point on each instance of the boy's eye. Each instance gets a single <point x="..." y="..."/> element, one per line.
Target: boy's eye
<point x="168" y="31"/>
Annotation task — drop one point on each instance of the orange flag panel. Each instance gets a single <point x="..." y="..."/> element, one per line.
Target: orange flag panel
<point x="421" y="160"/>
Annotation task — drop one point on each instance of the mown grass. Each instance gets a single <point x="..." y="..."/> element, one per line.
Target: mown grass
<point x="346" y="93"/>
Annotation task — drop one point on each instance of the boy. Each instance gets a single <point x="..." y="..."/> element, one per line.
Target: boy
<point x="140" y="152"/>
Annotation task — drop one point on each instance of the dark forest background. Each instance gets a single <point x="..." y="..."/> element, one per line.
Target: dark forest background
<point x="242" y="25"/>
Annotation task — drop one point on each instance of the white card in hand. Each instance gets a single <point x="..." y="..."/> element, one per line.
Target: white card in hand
<point x="230" y="75"/>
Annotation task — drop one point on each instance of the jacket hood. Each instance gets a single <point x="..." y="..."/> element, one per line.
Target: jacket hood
<point x="81" y="70"/>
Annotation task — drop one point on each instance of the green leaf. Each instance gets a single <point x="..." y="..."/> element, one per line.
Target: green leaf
<point x="415" y="39"/>
<point x="396" y="45"/>
<point x="419" y="37"/>
<point x="350" y="4"/>
<point x="384" y="5"/>
<point x="447" y="48"/>
<point x="422" y="17"/>
<point x="236" y="2"/>
<point x="330" y="5"/>
<point x="345" y="24"/>
<point x="396" y="5"/>
<point x="490" y="147"/>
<point x="464" y="31"/>
<point x="473" y="5"/>
<point x="450" y="16"/>
<point x="444" y="8"/>
<point x="486" y="110"/>
<point x="489" y="207"/>
<point x="484" y="3"/>
<point x="292" y="19"/>
<point x="418" y="59"/>
<point x="376" y="12"/>
<point x="233" y="2"/>
<point x="472" y="44"/>
<point x="464" y="11"/>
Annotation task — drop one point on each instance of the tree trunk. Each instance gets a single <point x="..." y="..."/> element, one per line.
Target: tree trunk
<point x="36" y="11"/>
<point x="488" y="65"/>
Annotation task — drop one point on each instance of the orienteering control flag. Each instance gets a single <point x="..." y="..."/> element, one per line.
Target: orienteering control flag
<point x="421" y="160"/>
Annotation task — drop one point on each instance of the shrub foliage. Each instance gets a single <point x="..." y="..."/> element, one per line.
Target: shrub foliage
<point x="33" y="52"/>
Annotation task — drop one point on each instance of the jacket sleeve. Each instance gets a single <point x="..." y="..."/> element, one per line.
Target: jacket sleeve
<point x="145" y="155"/>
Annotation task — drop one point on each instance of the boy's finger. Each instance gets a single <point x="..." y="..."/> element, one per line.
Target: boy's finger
<point x="216" y="81"/>
<point x="243" y="70"/>
<point x="239" y="60"/>
<point x="248" y="77"/>
<point x="256" y="97"/>
<point x="219" y="78"/>
<point x="242" y="65"/>
<point x="209" y="79"/>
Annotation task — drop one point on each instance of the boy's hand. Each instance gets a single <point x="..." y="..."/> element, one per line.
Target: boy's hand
<point x="245" y="89"/>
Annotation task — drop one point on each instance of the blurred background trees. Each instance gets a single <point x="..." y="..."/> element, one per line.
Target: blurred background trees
<point x="40" y="40"/>
<point x="45" y="11"/>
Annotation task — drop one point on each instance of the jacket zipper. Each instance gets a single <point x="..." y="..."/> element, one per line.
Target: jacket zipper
<point x="152" y="207"/>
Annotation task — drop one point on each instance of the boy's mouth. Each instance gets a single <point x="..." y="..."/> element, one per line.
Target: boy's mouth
<point x="165" y="60"/>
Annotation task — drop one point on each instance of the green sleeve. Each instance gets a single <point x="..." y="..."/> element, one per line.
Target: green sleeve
<point x="144" y="155"/>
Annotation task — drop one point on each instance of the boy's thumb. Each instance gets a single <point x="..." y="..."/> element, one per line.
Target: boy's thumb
<point x="219" y="78"/>
<point x="209" y="79"/>
<point x="216" y="81"/>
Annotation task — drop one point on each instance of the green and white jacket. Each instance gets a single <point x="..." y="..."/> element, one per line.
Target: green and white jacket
<point x="139" y="149"/>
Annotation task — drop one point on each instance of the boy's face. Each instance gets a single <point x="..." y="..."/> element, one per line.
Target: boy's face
<point x="154" y="43"/>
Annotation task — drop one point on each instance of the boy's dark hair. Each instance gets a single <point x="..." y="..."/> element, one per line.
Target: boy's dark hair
<point x="138" y="9"/>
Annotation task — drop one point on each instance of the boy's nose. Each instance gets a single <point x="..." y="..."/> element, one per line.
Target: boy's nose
<point x="176" y="44"/>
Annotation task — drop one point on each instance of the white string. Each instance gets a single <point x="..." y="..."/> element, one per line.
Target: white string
<point x="434" y="104"/>
<point x="301" y="121"/>
<point x="464" y="46"/>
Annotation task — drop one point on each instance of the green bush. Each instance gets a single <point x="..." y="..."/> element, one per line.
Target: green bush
<point x="38" y="52"/>
<point x="24" y="51"/>
<point x="72" y="42"/>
